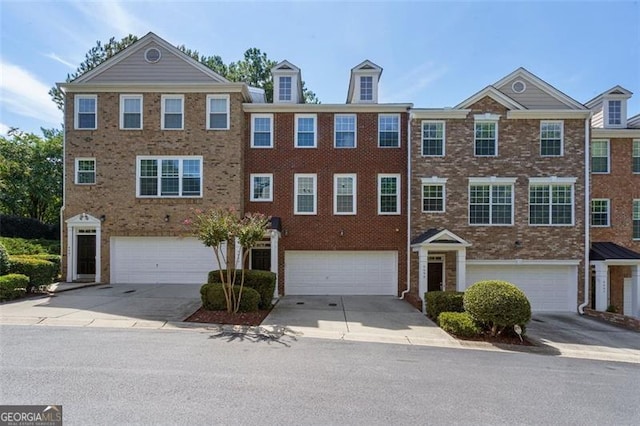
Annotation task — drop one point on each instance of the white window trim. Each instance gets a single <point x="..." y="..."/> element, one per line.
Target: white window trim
<point x="549" y="181"/>
<point x="374" y="89"/>
<point x="76" y="111"/>
<point x="608" y="157"/>
<point x="139" y="158"/>
<point x="252" y="187"/>
<point x="432" y="181"/>
<point x="355" y="131"/>
<point x="444" y="137"/>
<point x="623" y="112"/>
<point x="486" y="118"/>
<point x="228" y="112"/>
<point x="561" y="122"/>
<point x="397" y="116"/>
<point x="608" y="224"/>
<point x="354" y="193"/>
<point x="635" y="200"/>
<point x="77" y="170"/>
<point x="122" y="99"/>
<point x="635" y="141"/>
<point x="398" y="194"/>
<point x="163" y="98"/>
<point x="253" y="120"/>
<point x="491" y="181"/>
<point x="296" y="177"/>
<point x="291" y="95"/>
<point x="315" y="130"/>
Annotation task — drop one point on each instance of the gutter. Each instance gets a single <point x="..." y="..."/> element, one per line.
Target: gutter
<point x="587" y="210"/>
<point x="404" y="293"/>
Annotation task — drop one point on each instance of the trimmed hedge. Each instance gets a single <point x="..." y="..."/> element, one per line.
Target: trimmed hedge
<point x="264" y="282"/>
<point x="17" y="246"/>
<point x="459" y="324"/>
<point x="4" y="260"/>
<point x="213" y="299"/>
<point x="24" y="227"/>
<point x="497" y="304"/>
<point x="443" y="301"/>
<point x="39" y="271"/>
<point x="13" y="286"/>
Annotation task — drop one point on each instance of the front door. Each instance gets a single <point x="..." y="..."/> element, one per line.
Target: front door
<point x="435" y="276"/>
<point x="86" y="265"/>
<point x="261" y="259"/>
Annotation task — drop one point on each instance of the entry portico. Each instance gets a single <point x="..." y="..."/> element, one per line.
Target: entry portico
<point x="615" y="265"/>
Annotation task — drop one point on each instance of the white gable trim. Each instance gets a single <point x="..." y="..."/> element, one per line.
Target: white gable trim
<point x="494" y="94"/>
<point x="83" y="219"/>
<point x="447" y="235"/>
<point x="625" y="94"/>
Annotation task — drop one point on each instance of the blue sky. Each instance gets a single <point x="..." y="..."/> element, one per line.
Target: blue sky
<point x="434" y="54"/>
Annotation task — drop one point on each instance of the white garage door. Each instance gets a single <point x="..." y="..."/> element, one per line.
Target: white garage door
<point x="341" y="272"/>
<point x="165" y="260"/>
<point x="548" y="287"/>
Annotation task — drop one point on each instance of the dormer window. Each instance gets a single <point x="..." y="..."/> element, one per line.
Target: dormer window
<point x="366" y="88"/>
<point x="363" y="84"/>
<point x="615" y="112"/>
<point x="287" y="83"/>
<point x="284" y="92"/>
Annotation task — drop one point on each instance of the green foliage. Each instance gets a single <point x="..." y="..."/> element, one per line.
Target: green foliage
<point x="39" y="271"/>
<point x="264" y="282"/>
<point x="497" y="305"/>
<point x="26" y="227"/>
<point x="4" y="260"/>
<point x="459" y="324"/>
<point x="16" y="246"/>
<point x="13" y="286"/>
<point x="214" y="298"/>
<point x="31" y="175"/>
<point x="443" y="301"/>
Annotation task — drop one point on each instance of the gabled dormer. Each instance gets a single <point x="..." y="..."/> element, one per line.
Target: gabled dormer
<point x="363" y="84"/>
<point x="287" y="84"/>
<point x="610" y="108"/>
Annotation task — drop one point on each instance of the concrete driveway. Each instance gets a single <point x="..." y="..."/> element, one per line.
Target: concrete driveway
<point x="119" y="305"/>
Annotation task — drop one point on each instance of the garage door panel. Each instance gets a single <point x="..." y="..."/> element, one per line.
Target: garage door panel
<point x="164" y="260"/>
<point x="341" y="272"/>
<point x="548" y="287"/>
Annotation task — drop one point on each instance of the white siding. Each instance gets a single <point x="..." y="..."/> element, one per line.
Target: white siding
<point x="532" y="97"/>
<point x="597" y="120"/>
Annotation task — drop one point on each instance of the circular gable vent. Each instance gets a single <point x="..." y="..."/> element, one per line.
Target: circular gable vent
<point x="518" y="86"/>
<point x="152" y="55"/>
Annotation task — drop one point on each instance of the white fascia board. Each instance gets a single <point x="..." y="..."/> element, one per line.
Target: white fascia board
<point x="550" y="262"/>
<point x="338" y="108"/>
<point x="550" y="114"/>
<point x="439" y="114"/>
<point x="599" y="132"/>
<point x="158" y="88"/>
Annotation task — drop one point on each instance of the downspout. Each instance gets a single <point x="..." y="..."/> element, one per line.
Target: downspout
<point x="587" y="210"/>
<point x="63" y="247"/>
<point x="404" y="293"/>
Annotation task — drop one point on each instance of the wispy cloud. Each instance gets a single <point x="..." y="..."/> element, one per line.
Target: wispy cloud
<point x="413" y="82"/>
<point x="62" y="61"/>
<point x="4" y="129"/>
<point x="114" y="15"/>
<point x="23" y="94"/>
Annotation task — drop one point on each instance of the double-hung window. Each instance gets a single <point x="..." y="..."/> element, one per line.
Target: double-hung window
<point x="131" y="112"/>
<point x="218" y="112"/>
<point x="262" y="187"/>
<point x="551" y="201"/>
<point x="366" y="88"/>
<point x="306" y="194"/>
<point x="600" y="212"/>
<point x="388" y="194"/>
<point x="600" y="156"/>
<point x="551" y="135"/>
<point x="284" y="91"/>
<point x="345" y="131"/>
<point x="86" y="107"/>
<point x="262" y="130"/>
<point x="433" y="138"/>
<point x="85" y="171"/>
<point x="614" y="113"/>
<point x="433" y="195"/>
<point x="491" y="201"/>
<point x="636" y="219"/>
<point x="305" y="131"/>
<point x="486" y="138"/>
<point x="169" y="176"/>
<point x="389" y="130"/>
<point x="635" y="157"/>
<point x="344" y="194"/>
<point x="172" y="112"/>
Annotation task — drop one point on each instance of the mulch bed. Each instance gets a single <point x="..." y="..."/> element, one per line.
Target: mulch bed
<point x="223" y="317"/>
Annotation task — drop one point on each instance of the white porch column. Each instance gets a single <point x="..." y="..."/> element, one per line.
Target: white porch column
<point x="274" y="259"/>
<point x="70" y="238"/>
<point x="635" y="291"/>
<point x="602" y="286"/>
<point x="98" y="255"/>
<point x="423" y="277"/>
<point x="461" y="269"/>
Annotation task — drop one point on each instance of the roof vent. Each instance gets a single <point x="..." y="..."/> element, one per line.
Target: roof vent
<point x="518" y="86"/>
<point x="152" y="55"/>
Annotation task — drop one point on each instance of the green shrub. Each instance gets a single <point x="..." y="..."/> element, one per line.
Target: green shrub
<point x="25" y="227"/>
<point x="17" y="246"/>
<point x="497" y="305"/>
<point x="13" y="286"/>
<point x="443" y="301"/>
<point x="39" y="271"/>
<point x="264" y="282"/>
<point x="459" y="324"/>
<point x="212" y="296"/>
<point x="4" y="260"/>
<point x="53" y="258"/>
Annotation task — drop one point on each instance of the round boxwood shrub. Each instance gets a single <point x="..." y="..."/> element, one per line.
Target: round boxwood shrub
<point x="497" y="305"/>
<point x="12" y="286"/>
<point x="460" y="324"/>
<point x="4" y="260"/>
<point x="212" y="296"/>
<point x="443" y="301"/>
<point x="39" y="271"/>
